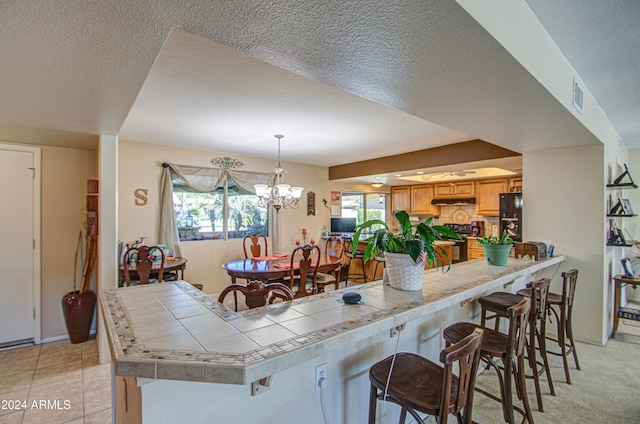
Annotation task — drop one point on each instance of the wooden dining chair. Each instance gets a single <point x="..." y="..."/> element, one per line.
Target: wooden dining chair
<point x="303" y="270"/>
<point x="143" y="257"/>
<point x="333" y="250"/>
<point x="257" y="293"/>
<point x="255" y="245"/>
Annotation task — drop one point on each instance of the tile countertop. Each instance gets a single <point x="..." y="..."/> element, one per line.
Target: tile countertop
<point x="174" y="331"/>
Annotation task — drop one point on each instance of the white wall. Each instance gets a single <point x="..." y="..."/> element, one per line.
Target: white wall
<point x="140" y="166"/>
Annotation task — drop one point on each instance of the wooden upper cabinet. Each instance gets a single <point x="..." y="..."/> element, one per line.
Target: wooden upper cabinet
<point x="421" y="197"/>
<point x="515" y="184"/>
<point x="457" y="189"/>
<point x="401" y="198"/>
<point x="487" y="195"/>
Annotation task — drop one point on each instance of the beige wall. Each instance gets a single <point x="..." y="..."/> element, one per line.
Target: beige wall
<point x="564" y="203"/>
<point x="64" y="186"/>
<point x="140" y="166"/>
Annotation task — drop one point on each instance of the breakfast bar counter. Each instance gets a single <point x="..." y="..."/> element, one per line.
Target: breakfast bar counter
<point x="172" y="333"/>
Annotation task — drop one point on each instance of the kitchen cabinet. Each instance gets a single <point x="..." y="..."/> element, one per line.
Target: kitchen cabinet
<point x="487" y="198"/>
<point x="474" y="249"/>
<point x="128" y="400"/>
<point x="515" y="184"/>
<point x="421" y="197"/>
<point x="457" y="189"/>
<point x="401" y="198"/>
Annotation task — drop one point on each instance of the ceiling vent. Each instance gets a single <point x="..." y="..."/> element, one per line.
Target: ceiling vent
<point x="578" y="95"/>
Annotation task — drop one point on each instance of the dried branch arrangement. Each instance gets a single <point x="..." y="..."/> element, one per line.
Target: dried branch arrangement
<point x="91" y="246"/>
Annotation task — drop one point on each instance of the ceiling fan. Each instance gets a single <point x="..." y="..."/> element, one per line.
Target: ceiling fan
<point x="457" y="173"/>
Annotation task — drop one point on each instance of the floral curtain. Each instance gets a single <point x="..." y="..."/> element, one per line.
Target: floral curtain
<point x="206" y="180"/>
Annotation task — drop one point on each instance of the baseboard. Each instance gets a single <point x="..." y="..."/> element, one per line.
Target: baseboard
<point x="64" y="337"/>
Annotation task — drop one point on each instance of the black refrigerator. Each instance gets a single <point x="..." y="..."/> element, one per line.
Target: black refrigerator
<point x="511" y="214"/>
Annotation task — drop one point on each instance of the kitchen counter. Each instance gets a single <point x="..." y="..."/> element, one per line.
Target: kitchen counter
<point x="172" y="331"/>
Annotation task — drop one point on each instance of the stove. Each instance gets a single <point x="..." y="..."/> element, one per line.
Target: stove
<point x="459" y="250"/>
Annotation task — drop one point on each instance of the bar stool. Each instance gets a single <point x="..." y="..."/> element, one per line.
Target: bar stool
<point x="353" y="255"/>
<point x="499" y="302"/>
<point x="418" y="384"/>
<point x="564" y="304"/>
<point x="510" y="348"/>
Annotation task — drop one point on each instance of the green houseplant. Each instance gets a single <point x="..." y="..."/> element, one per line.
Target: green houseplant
<point x="402" y="250"/>
<point x="496" y="249"/>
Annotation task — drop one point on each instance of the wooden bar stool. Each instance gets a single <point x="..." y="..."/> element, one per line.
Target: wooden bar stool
<point x="499" y="302"/>
<point x="418" y="384"/>
<point x="510" y="349"/>
<point x="564" y="305"/>
<point x="353" y="255"/>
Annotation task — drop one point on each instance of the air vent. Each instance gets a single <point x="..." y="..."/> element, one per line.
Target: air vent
<point x="578" y="95"/>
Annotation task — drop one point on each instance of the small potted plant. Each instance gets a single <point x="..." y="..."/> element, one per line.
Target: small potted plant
<point x="405" y="252"/>
<point x="496" y="249"/>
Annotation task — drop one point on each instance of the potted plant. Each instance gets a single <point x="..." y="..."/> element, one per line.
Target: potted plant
<point x="405" y="252"/>
<point x="78" y="305"/>
<point x="496" y="249"/>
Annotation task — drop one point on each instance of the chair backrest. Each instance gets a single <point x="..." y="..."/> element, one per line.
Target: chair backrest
<point x="256" y="293"/>
<point x="334" y="247"/>
<point x="518" y="319"/>
<point x="539" y="296"/>
<point x="304" y="262"/>
<point x="466" y="353"/>
<point x="254" y="242"/>
<point x="143" y="260"/>
<point x="569" y="280"/>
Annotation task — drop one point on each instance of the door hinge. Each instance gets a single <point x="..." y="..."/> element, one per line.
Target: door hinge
<point x="34" y="244"/>
<point x="33" y="171"/>
<point x="34" y="313"/>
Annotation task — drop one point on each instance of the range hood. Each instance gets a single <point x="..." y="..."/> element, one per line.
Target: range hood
<point x="454" y="201"/>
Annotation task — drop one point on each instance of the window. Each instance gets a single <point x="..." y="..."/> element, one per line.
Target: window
<point x="203" y="216"/>
<point x="364" y="207"/>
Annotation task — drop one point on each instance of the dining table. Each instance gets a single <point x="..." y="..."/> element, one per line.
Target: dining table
<point x="273" y="267"/>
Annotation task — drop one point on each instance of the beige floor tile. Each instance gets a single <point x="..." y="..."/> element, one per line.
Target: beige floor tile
<point x="102" y="417"/>
<point x="18" y="366"/>
<point x="67" y="409"/>
<point x="15" y="382"/>
<point x="96" y="377"/>
<point x="13" y="418"/>
<point x="90" y="359"/>
<point x="21" y="353"/>
<point x="76" y="421"/>
<point x="20" y="402"/>
<point x="61" y="346"/>
<point x="97" y="400"/>
<point x="58" y="357"/>
<point x="63" y="372"/>
<point x="60" y="389"/>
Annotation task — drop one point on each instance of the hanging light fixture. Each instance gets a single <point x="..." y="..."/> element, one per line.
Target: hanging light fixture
<point x="280" y="195"/>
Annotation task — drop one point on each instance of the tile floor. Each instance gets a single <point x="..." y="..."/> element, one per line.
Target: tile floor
<point x="55" y="383"/>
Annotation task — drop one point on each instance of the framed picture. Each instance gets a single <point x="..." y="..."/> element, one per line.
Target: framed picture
<point x="626" y="204"/>
<point x="336" y="197"/>
<point x="627" y="269"/>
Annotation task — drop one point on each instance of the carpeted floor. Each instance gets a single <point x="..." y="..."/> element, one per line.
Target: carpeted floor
<point x="606" y="390"/>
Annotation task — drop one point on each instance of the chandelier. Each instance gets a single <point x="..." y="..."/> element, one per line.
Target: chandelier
<point x="280" y="195"/>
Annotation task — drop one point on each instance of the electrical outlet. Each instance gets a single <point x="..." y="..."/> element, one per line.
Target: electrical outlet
<point x="321" y="377"/>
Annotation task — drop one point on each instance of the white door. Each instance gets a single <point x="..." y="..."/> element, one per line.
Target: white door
<point x="18" y="189"/>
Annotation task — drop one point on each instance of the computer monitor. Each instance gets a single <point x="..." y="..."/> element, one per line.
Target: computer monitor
<point x="343" y="225"/>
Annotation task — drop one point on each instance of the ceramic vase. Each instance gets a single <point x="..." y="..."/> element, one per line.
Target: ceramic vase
<point x="77" y="309"/>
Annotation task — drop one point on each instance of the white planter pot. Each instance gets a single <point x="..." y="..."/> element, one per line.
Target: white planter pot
<point x="404" y="273"/>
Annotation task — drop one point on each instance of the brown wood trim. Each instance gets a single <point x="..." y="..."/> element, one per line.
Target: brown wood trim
<point x="464" y="152"/>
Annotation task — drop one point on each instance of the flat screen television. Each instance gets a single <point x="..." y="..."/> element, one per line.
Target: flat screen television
<point x="343" y="225"/>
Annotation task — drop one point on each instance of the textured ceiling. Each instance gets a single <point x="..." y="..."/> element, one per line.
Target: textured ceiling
<point x="377" y="78"/>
